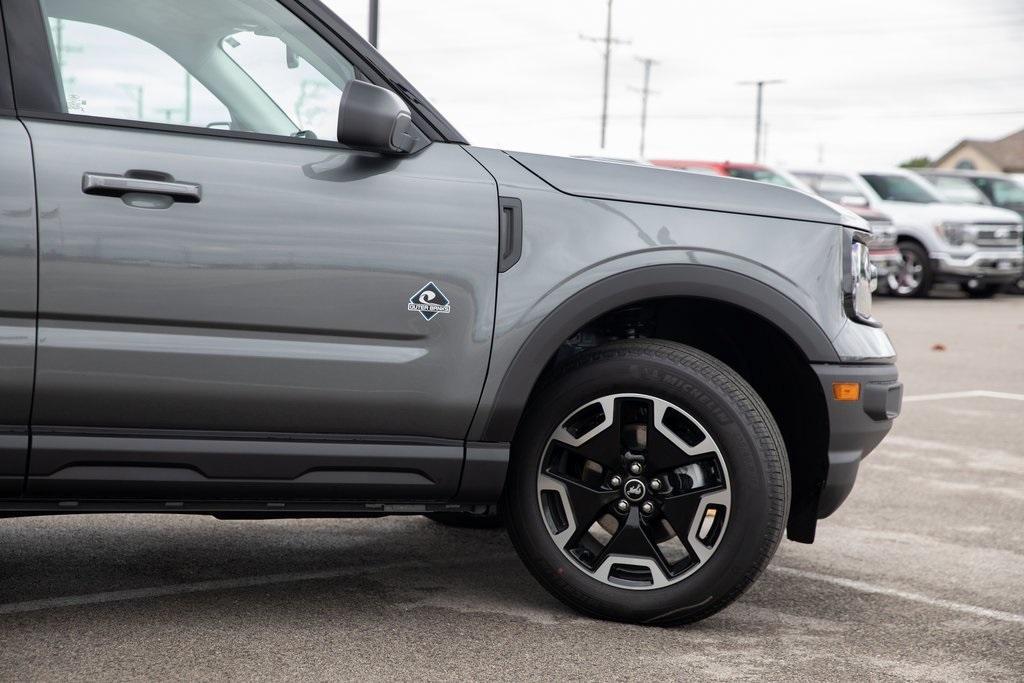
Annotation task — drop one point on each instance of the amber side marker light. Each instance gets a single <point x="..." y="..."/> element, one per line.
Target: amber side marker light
<point x="846" y="391"/>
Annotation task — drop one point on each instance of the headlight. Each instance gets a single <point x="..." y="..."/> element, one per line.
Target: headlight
<point x="861" y="279"/>
<point x="956" y="234"/>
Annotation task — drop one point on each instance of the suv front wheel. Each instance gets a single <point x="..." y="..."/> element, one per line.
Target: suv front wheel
<point x="649" y="483"/>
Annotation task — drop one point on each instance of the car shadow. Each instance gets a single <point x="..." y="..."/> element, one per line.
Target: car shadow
<point x="419" y="561"/>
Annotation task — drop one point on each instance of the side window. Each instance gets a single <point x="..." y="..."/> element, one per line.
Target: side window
<point x="104" y="72"/>
<point x="245" y="65"/>
<point x="1006" y="193"/>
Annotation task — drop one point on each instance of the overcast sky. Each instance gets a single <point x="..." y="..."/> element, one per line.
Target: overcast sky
<point x="868" y="82"/>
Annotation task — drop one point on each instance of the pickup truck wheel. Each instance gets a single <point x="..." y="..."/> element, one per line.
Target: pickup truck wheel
<point x="648" y="483"/>
<point x="914" y="277"/>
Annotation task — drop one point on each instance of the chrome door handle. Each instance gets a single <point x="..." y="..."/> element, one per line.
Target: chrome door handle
<point x="108" y="185"/>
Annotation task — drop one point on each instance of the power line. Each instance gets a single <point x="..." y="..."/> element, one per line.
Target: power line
<point x="759" y="124"/>
<point x="608" y="41"/>
<point x="814" y="116"/>
<point x="645" y="92"/>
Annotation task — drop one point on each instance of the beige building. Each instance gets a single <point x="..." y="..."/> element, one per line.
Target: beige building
<point x="1005" y="155"/>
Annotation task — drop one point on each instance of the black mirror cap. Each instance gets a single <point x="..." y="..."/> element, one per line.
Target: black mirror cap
<point x="375" y="119"/>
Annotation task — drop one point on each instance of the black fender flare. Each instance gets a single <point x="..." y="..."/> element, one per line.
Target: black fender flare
<point x="630" y="287"/>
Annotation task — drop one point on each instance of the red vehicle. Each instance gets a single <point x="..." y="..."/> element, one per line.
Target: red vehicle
<point x="732" y="169"/>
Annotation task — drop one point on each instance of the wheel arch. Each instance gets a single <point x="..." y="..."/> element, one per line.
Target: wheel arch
<point x="909" y="237"/>
<point x="631" y="288"/>
<point x="779" y="330"/>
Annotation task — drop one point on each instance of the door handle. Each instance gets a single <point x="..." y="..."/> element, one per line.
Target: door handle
<point x="143" y="182"/>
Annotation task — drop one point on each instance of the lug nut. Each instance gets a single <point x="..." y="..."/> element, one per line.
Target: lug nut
<point x="622" y="506"/>
<point x="655" y="484"/>
<point x="647" y="508"/>
<point x="635" y="468"/>
<point x="616" y="481"/>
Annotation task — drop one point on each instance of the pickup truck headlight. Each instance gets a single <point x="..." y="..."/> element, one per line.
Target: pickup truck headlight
<point x="861" y="278"/>
<point x="957" y="234"/>
<point x="884" y="235"/>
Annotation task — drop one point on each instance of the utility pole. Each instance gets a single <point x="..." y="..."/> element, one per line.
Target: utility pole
<point x="63" y="49"/>
<point x="374" y="32"/>
<point x="138" y="92"/>
<point x="645" y="92"/>
<point x="188" y="97"/>
<point x="759" y="121"/>
<point x="608" y="41"/>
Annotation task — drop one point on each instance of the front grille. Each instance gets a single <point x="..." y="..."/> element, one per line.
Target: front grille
<point x="997" y="235"/>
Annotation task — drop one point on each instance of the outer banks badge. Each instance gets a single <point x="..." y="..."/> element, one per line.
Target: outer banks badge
<point x="430" y="301"/>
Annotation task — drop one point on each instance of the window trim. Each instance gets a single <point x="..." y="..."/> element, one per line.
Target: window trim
<point x="36" y="93"/>
<point x="177" y="128"/>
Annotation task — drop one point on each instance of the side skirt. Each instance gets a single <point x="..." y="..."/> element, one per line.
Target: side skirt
<point x="77" y="465"/>
<point x="251" y="475"/>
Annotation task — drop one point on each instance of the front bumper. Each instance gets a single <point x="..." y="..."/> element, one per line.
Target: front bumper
<point x="855" y="427"/>
<point x="995" y="266"/>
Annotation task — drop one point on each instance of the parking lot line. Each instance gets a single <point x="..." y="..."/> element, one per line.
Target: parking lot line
<point x="216" y="585"/>
<point x="977" y="393"/>
<point x="294" y="577"/>
<point x="864" y="587"/>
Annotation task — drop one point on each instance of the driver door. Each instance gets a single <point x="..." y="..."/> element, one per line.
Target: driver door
<point x="254" y="282"/>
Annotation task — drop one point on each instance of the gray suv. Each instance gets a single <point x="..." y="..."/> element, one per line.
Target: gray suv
<point x="248" y="271"/>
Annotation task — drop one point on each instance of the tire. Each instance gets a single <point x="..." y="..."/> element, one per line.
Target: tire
<point x="982" y="291"/>
<point x="692" y="389"/>
<point x="915" y="277"/>
<point x="492" y="519"/>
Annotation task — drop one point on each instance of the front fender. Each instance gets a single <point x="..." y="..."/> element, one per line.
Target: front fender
<point x="583" y="257"/>
<point x="629" y="287"/>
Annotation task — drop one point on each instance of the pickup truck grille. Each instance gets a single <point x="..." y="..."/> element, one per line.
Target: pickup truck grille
<point x="997" y="235"/>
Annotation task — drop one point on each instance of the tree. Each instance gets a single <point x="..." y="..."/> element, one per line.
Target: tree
<point x="917" y="162"/>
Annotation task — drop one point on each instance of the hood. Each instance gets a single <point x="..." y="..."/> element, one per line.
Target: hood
<point x="930" y="214"/>
<point x="667" y="187"/>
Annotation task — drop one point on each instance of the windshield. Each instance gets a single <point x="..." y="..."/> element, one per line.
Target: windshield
<point x="901" y="188"/>
<point x="833" y="187"/>
<point x="762" y="175"/>
<point x="958" y="190"/>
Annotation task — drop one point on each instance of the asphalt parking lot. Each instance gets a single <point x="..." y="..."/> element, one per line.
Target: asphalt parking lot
<point x="920" y="576"/>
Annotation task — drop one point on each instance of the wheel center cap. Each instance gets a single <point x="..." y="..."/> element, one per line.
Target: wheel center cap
<point x="635" y="490"/>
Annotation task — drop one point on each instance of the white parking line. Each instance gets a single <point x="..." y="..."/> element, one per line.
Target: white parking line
<point x="275" y="579"/>
<point x="978" y="393"/>
<point x="865" y="587"/>
<point x="217" y="585"/>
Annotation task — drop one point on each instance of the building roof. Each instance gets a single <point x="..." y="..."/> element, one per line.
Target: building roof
<point x="1007" y="153"/>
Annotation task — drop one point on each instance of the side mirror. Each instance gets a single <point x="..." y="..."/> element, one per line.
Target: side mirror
<point x="855" y="201"/>
<point x="375" y="119"/>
